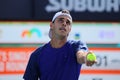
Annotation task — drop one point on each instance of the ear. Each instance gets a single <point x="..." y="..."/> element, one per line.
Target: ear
<point x="51" y="25"/>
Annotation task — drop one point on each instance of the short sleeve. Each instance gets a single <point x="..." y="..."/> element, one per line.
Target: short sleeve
<point x="79" y="45"/>
<point x="32" y="69"/>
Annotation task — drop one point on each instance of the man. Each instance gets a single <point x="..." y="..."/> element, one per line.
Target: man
<point x="59" y="59"/>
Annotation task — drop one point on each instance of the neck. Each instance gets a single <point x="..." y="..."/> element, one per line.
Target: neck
<point x="57" y="43"/>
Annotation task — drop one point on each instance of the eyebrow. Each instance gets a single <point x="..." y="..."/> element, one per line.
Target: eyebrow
<point x="60" y="18"/>
<point x="64" y="18"/>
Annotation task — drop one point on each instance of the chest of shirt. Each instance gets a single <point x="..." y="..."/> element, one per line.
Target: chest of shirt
<point x="49" y="60"/>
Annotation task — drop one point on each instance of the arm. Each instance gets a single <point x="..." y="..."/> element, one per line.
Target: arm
<point x="32" y="70"/>
<point x="81" y="56"/>
<point x="82" y="52"/>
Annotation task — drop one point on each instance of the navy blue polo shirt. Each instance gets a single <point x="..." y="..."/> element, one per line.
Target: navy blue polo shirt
<point x="49" y="63"/>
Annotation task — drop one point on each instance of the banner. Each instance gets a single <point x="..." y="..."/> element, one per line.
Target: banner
<point x="107" y="67"/>
<point x="108" y="61"/>
<point x="81" y="10"/>
<point x="44" y="10"/>
<point x="13" y="61"/>
<point x="37" y="32"/>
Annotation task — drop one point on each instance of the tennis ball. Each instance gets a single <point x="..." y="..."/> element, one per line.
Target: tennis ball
<point x="91" y="57"/>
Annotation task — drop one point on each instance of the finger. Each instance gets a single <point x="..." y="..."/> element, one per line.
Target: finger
<point x="89" y="63"/>
<point x="90" y="52"/>
<point x="95" y="61"/>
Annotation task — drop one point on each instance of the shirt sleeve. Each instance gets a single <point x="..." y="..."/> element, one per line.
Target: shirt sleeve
<point x="79" y="45"/>
<point x="32" y="70"/>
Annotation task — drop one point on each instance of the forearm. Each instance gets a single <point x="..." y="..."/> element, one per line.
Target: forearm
<point x="81" y="56"/>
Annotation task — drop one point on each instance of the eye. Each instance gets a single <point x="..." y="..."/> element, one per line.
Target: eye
<point x="60" y="20"/>
<point x="68" y="22"/>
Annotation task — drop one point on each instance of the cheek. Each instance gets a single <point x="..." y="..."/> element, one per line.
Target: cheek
<point x="56" y="29"/>
<point x="69" y="29"/>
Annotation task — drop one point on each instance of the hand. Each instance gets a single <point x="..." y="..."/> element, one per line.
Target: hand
<point x="88" y="62"/>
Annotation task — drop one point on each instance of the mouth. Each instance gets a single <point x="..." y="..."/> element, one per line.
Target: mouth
<point x="62" y="29"/>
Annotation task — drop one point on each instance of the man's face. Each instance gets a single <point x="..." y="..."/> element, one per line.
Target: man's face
<point x="62" y="26"/>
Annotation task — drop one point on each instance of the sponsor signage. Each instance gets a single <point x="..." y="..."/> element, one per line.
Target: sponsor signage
<point x="81" y="10"/>
<point x="99" y="77"/>
<point x="14" y="60"/>
<point x="13" y="63"/>
<point x="96" y="33"/>
<point x="24" y="32"/>
<point x="107" y="66"/>
<point x="108" y="61"/>
<point x="35" y="32"/>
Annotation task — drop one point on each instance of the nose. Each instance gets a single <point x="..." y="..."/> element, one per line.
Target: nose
<point x="64" y="23"/>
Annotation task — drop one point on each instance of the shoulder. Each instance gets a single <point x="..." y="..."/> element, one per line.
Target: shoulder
<point x="73" y="42"/>
<point x="78" y="45"/>
<point x="38" y="51"/>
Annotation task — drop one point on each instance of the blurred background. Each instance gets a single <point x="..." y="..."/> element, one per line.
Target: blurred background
<point x="24" y="26"/>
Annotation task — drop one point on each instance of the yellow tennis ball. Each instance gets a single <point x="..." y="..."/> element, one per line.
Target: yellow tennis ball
<point x="91" y="57"/>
